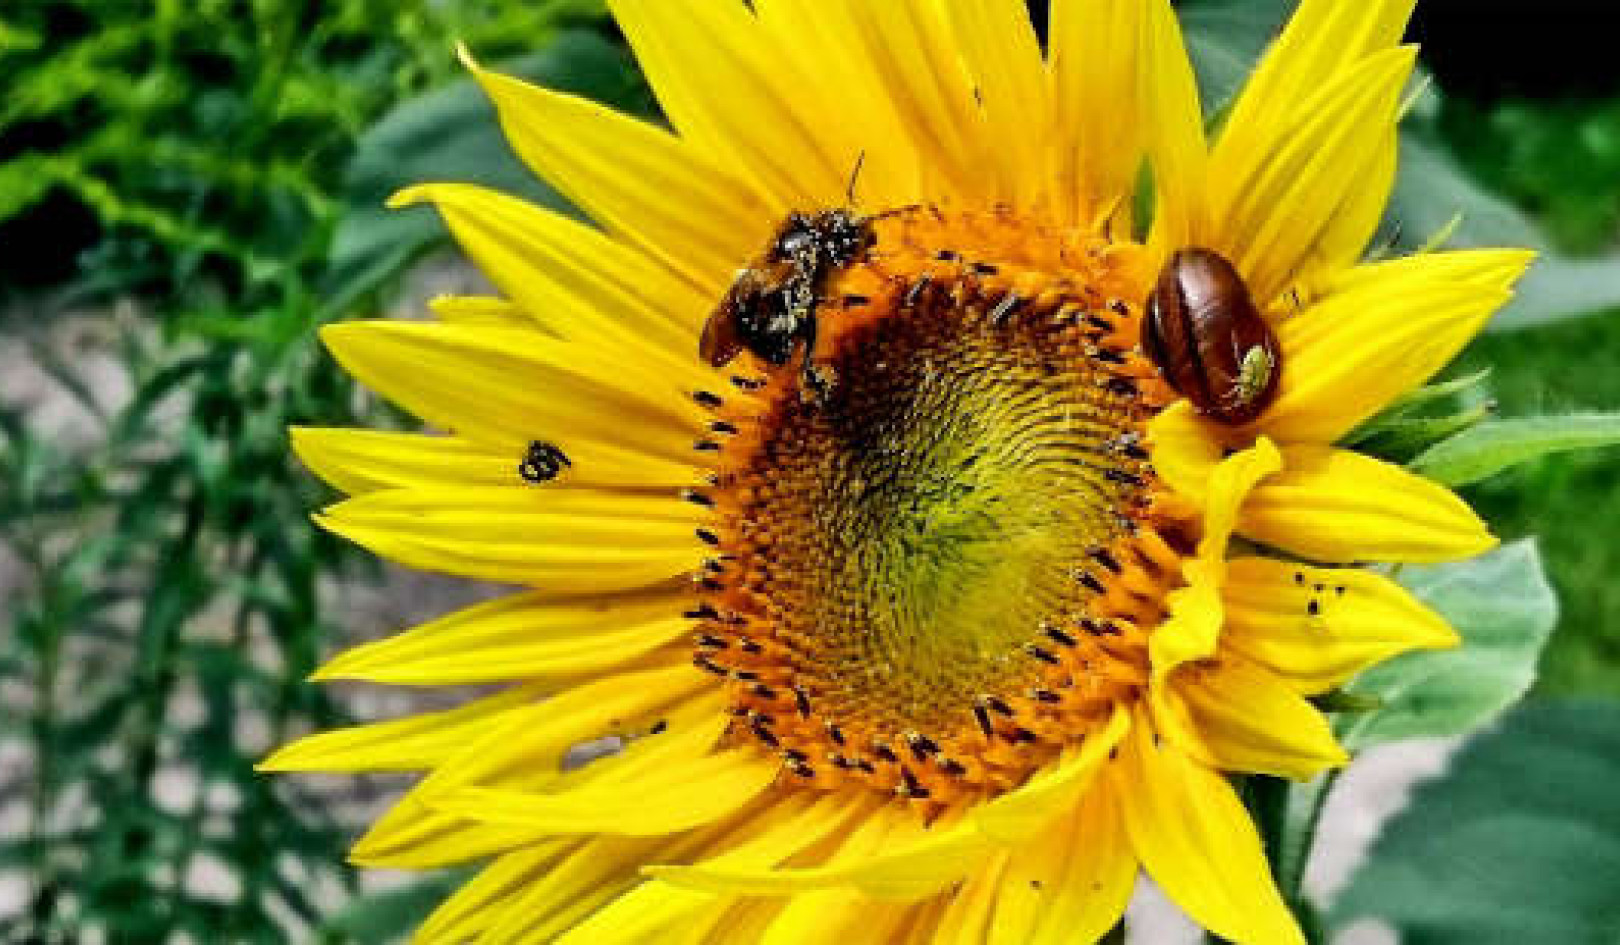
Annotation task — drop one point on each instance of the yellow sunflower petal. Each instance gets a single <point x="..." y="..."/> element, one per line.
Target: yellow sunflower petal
<point x="1195" y="839"/>
<point x="1094" y="69"/>
<point x="840" y="79"/>
<point x="1323" y="39"/>
<point x="679" y="796"/>
<point x="361" y="461"/>
<point x="485" y="311"/>
<point x="1337" y="506"/>
<point x="589" y="877"/>
<point x="408" y="744"/>
<point x="1021" y="813"/>
<point x="920" y="74"/>
<point x="1186" y="449"/>
<point x="761" y="125"/>
<point x="1193" y="627"/>
<point x="1386" y="332"/>
<point x="917" y="858"/>
<point x="1071" y="884"/>
<point x="522" y="636"/>
<point x="1003" y="56"/>
<point x="838" y="913"/>
<point x="529" y="750"/>
<point x="525" y="749"/>
<point x="1317" y="627"/>
<point x="478" y="902"/>
<point x="412" y="836"/>
<point x="1268" y="217"/>
<point x="420" y="832"/>
<point x="1174" y="123"/>
<point x="1244" y="718"/>
<point x="1323" y="42"/>
<point x="1344" y="239"/>
<point x="587" y="541"/>
<point x="794" y="823"/>
<point x="640" y="182"/>
<point x="504" y="389"/>
<point x="971" y="909"/>
<point x="591" y="288"/>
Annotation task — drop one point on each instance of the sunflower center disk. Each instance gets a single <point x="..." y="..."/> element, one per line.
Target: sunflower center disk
<point x="938" y="570"/>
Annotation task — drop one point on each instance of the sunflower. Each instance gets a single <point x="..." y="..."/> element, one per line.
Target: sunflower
<point x="922" y="607"/>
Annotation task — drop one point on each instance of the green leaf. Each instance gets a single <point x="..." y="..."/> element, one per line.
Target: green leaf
<point x="1504" y="609"/>
<point x="1518" y="843"/>
<point x="1491" y="447"/>
<point x="1224" y="39"/>
<point x="452" y="135"/>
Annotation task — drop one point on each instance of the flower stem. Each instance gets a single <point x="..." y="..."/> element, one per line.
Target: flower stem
<point x="1287" y="816"/>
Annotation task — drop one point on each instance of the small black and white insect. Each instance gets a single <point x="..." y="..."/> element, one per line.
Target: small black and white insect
<point x="543" y="462"/>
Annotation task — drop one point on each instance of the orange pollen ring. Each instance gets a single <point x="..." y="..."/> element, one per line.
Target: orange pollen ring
<point x="938" y="570"/>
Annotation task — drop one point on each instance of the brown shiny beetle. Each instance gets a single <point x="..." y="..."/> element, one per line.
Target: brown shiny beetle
<point x="1205" y="335"/>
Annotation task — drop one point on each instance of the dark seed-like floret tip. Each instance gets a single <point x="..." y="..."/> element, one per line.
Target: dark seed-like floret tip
<point x="1041" y="654"/>
<point x="704" y="663"/>
<point x="1059" y="636"/>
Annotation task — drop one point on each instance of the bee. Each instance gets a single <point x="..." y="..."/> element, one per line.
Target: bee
<point x="542" y="463"/>
<point x="1205" y="335"/>
<point x="770" y="309"/>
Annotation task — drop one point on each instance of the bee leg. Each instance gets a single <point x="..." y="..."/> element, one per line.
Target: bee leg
<point x="817" y="378"/>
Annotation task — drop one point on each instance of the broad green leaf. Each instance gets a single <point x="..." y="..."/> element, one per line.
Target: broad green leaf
<point x="1518" y="843"/>
<point x="1224" y="39"/>
<point x="452" y="135"/>
<point x="1504" y="609"/>
<point x="1491" y="447"/>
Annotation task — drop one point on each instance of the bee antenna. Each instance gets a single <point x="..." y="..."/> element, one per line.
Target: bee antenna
<point x="893" y="212"/>
<point x="854" y="177"/>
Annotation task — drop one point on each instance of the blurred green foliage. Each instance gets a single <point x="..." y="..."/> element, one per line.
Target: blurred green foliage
<point x="189" y="159"/>
<point x="1560" y="160"/>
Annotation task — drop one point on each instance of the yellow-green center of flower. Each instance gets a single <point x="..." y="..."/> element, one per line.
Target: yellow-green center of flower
<point x="930" y="573"/>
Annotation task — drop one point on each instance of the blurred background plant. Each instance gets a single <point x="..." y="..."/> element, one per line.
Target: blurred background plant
<point x="188" y="190"/>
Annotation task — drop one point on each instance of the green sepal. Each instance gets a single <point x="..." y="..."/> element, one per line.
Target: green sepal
<point x="1486" y="449"/>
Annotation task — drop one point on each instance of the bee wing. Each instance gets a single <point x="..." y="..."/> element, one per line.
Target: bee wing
<point x="721" y="340"/>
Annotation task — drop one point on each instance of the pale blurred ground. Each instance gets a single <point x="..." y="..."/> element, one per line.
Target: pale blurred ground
<point x="1373" y="789"/>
